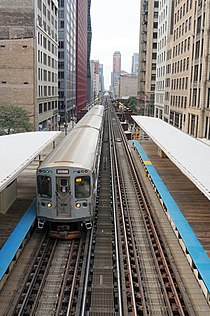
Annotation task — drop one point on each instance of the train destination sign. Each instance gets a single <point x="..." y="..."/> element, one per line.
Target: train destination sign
<point x="62" y="171"/>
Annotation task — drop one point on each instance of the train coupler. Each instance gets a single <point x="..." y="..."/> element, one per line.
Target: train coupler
<point x="88" y="225"/>
<point x="40" y="224"/>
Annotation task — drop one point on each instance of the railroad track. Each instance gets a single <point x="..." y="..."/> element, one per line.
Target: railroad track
<point x="51" y="286"/>
<point x="150" y="280"/>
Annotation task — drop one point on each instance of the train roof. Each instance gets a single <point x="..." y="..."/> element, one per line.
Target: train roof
<point x="97" y="109"/>
<point x="78" y="149"/>
<point x="91" y="121"/>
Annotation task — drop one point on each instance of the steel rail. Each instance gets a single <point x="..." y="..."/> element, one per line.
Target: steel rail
<point x="116" y="163"/>
<point x="119" y="283"/>
<point x="59" y="304"/>
<point x="87" y="269"/>
<point x="27" y="295"/>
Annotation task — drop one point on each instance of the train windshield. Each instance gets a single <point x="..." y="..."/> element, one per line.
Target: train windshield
<point x="82" y="187"/>
<point x="44" y="186"/>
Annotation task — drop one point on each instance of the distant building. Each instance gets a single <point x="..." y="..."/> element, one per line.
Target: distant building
<point x="95" y="65"/>
<point x="135" y="64"/>
<point x="29" y="59"/>
<point x="116" y="72"/>
<point x="117" y="62"/>
<point x="128" y="85"/>
<point x="97" y="78"/>
<point x="101" y="78"/>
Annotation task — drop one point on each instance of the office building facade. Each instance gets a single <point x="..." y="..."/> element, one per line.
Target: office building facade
<point x="82" y="53"/>
<point x="67" y="59"/>
<point x="147" y="56"/>
<point x="28" y="63"/>
<point x="164" y="32"/>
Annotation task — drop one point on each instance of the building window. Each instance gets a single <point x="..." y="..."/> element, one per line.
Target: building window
<point x="194" y="100"/>
<point x="40" y="108"/>
<point x="208" y="99"/>
<point x="196" y="73"/>
<point x="156" y="4"/>
<point x="154" y="55"/>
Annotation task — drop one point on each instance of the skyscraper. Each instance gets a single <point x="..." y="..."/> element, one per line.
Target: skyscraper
<point x="147" y="56"/>
<point x="82" y="53"/>
<point x="101" y="77"/>
<point x="67" y="58"/>
<point x="135" y="63"/>
<point x="89" y="37"/>
<point x="116" y="72"/>
<point x="117" y="62"/>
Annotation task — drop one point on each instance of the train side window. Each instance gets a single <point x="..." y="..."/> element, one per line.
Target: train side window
<point x="44" y="185"/>
<point x="82" y="187"/>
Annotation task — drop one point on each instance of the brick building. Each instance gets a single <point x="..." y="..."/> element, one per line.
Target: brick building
<point x="28" y="59"/>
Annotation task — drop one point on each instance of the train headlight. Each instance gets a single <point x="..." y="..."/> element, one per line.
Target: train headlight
<point x="49" y="205"/>
<point x="78" y="205"/>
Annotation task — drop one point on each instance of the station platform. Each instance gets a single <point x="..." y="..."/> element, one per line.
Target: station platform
<point x="187" y="209"/>
<point x="9" y="250"/>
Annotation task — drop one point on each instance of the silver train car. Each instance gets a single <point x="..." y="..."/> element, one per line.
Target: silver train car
<point x="67" y="179"/>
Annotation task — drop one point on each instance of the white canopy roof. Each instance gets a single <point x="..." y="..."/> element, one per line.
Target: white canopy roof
<point x="18" y="150"/>
<point x="190" y="155"/>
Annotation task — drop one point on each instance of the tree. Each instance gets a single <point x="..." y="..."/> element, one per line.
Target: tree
<point x="14" y="120"/>
<point x="131" y="102"/>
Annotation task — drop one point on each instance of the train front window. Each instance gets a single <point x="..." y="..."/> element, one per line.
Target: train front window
<point x="44" y="186"/>
<point x="64" y="185"/>
<point x="82" y="187"/>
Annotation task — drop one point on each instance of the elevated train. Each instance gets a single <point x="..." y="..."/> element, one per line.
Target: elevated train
<point x="67" y="179"/>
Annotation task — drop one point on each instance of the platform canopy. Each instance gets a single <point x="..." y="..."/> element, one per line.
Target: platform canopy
<point x="19" y="150"/>
<point x="190" y="155"/>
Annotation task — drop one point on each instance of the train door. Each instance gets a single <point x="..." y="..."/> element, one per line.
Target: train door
<point x="63" y="197"/>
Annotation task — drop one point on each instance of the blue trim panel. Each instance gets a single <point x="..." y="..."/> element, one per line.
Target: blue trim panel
<point x="191" y="242"/>
<point x="11" y="246"/>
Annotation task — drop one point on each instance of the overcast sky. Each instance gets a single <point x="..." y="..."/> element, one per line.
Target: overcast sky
<point x="115" y="27"/>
